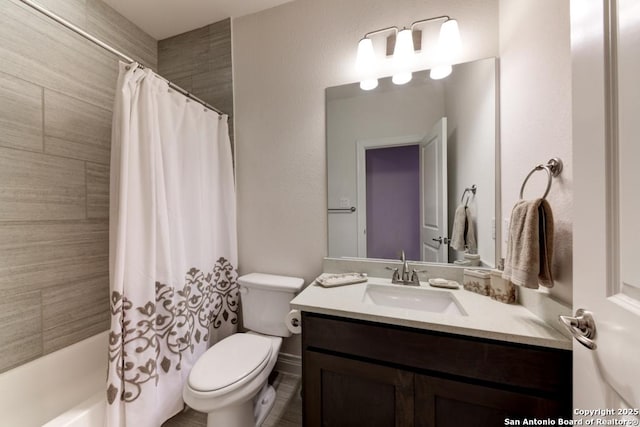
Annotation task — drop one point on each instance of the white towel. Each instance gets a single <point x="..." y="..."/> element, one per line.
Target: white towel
<point x="463" y="233"/>
<point x="530" y="245"/>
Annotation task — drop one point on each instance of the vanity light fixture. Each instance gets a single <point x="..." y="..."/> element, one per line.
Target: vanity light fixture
<point x="404" y="52"/>
<point x="440" y="72"/>
<point x="366" y="60"/>
<point x="366" y="64"/>
<point x="448" y="46"/>
<point x="402" y="56"/>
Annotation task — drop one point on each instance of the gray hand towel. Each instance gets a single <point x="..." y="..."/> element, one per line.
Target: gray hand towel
<point x="457" y="231"/>
<point x="470" y="234"/>
<point x="463" y="232"/>
<point x="530" y="245"/>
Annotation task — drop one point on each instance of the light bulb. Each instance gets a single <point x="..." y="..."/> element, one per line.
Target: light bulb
<point x="449" y="42"/>
<point x="365" y="64"/>
<point x="369" y="84"/>
<point x="366" y="57"/>
<point x="402" y="77"/>
<point x="404" y="47"/>
<point x="402" y="57"/>
<point x="440" y="72"/>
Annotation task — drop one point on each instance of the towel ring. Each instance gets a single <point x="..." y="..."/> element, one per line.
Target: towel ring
<point x="472" y="190"/>
<point x="553" y="168"/>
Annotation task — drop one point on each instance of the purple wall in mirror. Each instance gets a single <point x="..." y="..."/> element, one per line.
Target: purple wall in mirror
<point x="393" y="202"/>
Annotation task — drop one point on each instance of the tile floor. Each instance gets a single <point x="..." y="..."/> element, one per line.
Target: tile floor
<point x="287" y="411"/>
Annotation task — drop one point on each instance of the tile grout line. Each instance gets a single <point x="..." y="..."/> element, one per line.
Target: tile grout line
<point x="86" y="192"/>
<point x="42" y="104"/>
<point x="41" y="324"/>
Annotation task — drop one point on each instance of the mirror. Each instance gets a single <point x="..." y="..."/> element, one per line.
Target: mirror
<point x="399" y="159"/>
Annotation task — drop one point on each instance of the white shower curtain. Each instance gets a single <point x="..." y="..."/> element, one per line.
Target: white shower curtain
<point x="173" y="248"/>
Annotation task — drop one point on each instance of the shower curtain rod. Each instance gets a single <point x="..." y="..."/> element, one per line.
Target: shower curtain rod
<point x="113" y="50"/>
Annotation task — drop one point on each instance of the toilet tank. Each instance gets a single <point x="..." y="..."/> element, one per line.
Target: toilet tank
<point x="265" y="302"/>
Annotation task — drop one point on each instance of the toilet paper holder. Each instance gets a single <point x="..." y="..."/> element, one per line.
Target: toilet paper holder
<point x="294" y="322"/>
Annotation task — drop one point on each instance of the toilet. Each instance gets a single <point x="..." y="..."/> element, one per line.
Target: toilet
<point x="229" y="381"/>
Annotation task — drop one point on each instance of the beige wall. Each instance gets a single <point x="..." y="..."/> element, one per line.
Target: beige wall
<point x="56" y="95"/>
<point x="535" y="110"/>
<point x="284" y="58"/>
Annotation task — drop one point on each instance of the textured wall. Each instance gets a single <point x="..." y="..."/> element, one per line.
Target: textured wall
<point x="535" y="110"/>
<point x="200" y="62"/>
<point x="283" y="59"/>
<point x="56" y="95"/>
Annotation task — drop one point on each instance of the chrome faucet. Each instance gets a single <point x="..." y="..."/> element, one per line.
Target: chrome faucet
<point x="406" y="276"/>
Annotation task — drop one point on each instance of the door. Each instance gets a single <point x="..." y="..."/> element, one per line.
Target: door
<point x="448" y="403"/>
<point x="362" y="147"/>
<point x="433" y="194"/>
<point x="345" y="392"/>
<point x="393" y="202"/>
<point x="606" y="106"/>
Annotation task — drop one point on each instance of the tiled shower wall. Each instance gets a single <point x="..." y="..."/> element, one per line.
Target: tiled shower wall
<point x="200" y="62"/>
<point x="56" y="96"/>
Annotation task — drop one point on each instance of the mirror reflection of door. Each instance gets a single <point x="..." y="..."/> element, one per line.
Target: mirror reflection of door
<point x="402" y="185"/>
<point x="393" y="194"/>
<point x="388" y="217"/>
<point x="433" y="194"/>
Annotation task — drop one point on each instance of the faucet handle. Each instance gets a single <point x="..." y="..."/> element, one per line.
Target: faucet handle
<point x="396" y="275"/>
<point x="414" y="275"/>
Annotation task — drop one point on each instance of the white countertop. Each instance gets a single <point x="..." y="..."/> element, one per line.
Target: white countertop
<point x="486" y="318"/>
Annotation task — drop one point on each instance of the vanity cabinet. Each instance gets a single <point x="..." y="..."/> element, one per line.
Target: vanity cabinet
<point x="358" y="373"/>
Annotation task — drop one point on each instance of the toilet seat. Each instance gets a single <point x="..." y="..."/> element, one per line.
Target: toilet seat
<point x="230" y="363"/>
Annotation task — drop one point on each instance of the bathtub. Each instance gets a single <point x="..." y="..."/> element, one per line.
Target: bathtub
<point x="64" y="388"/>
<point x="89" y="413"/>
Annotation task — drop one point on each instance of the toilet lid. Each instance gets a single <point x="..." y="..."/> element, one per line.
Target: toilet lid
<point x="230" y="361"/>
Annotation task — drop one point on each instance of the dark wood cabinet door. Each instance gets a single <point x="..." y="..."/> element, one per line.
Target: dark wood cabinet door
<point x="342" y="392"/>
<point x="446" y="403"/>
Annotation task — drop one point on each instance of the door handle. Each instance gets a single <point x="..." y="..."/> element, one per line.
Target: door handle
<point x="442" y="240"/>
<point x="582" y="327"/>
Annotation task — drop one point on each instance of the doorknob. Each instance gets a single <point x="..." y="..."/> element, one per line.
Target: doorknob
<point x="442" y="240"/>
<point x="582" y="327"/>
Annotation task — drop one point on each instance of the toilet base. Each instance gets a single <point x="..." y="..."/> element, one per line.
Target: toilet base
<point x="263" y="403"/>
<point x="233" y="416"/>
<point x="251" y="413"/>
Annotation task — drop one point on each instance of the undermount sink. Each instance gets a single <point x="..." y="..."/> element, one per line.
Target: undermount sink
<point x="411" y="298"/>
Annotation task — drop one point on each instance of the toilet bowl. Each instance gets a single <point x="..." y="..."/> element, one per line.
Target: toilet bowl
<point x="229" y="381"/>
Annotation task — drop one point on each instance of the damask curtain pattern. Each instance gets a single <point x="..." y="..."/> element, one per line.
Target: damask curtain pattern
<point x="173" y="247"/>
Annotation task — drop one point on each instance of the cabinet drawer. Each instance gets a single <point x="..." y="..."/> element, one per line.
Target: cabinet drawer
<point x="529" y="367"/>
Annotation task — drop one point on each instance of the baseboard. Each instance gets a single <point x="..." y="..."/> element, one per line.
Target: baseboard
<point x="289" y="363"/>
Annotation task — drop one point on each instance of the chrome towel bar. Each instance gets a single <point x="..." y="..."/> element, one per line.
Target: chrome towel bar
<point x="553" y="168"/>
<point x="471" y="190"/>
<point x="342" y="210"/>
